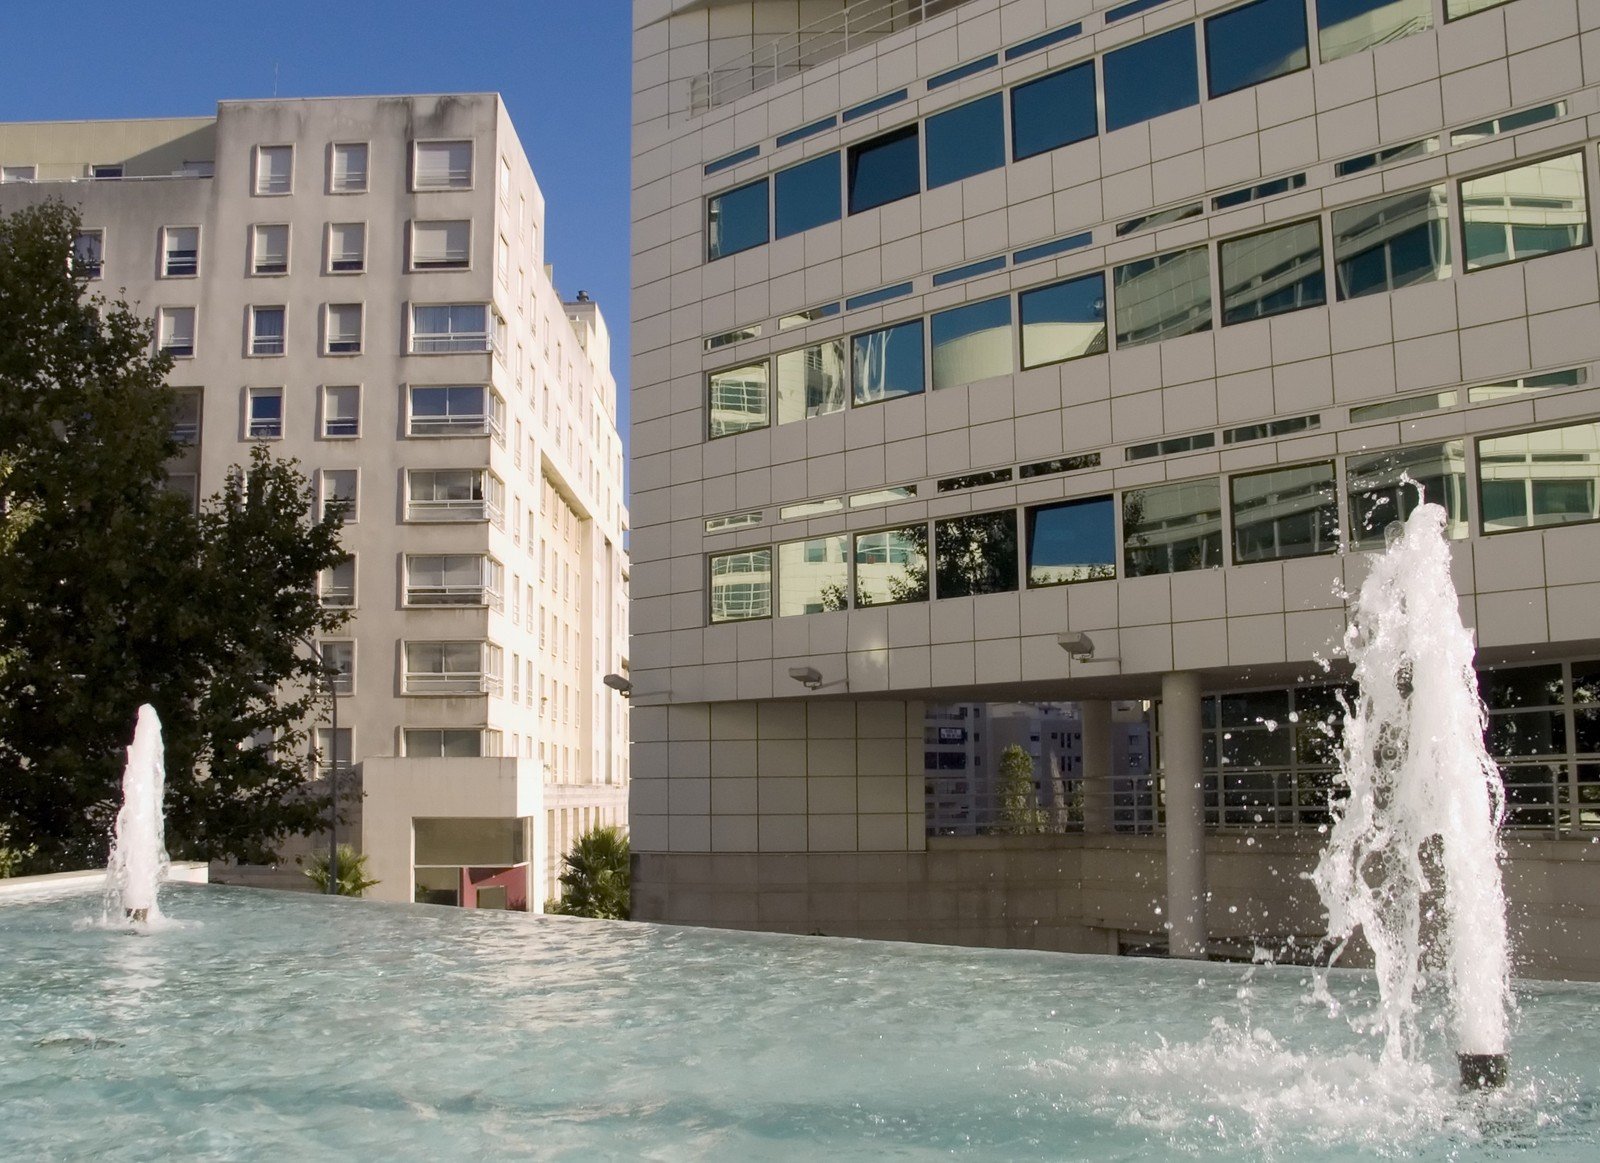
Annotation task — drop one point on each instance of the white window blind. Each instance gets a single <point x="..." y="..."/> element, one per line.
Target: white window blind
<point x="274" y="169"/>
<point x="341" y="410"/>
<point x="344" y="328"/>
<point x="270" y="251"/>
<point x="443" y="165"/>
<point x="349" y="168"/>
<point x="347" y="247"/>
<point x="441" y="245"/>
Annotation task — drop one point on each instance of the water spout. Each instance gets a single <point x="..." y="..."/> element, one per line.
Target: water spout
<point x="138" y="861"/>
<point x="1413" y="858"/>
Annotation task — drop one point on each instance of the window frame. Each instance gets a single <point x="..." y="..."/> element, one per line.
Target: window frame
<point x="1211" y="19"/>
<point x="413" y="267"/>
<point x="165" y="253"/>
<point x="327" y="575"/>
<point x="333" y="187"/>
<point x="328" y="253"/>
<point x="767" y="416"/>
<point x="162" y="315"/>
<point x="255" y="270"/>
<point x="252" y="394"/>
<point x="351" y="516"/>
<point x="765" y="182"/>
<point x="492" y="416"/>
<point x="487" y="335"/>
<point x="258" y="173"/>
<point x="1582" y="154"/>
<point x="328" y="336"/>
<point x="472" y="164"/>
<point x="251" y="337"/>
<point x="711" y="575"/>
<point x="451" y="683"/>
<point x="347" y="687"/>
<point x="323" y="430"/>
<point x="856" y="150"/>
<point x="1219" y="304"/>
<point x="100" y="267"/>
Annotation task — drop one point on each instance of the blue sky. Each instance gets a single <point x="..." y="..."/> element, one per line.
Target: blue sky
<point x="561" y="67"/>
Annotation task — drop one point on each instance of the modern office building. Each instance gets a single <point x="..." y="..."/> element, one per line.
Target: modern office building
<point x="1075" y="350"/>
<point x="360" y="282"/>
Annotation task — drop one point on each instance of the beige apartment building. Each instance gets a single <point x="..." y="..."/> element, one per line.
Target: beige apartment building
<point x="361" y="283"/>
<point x="1079" y="351"/>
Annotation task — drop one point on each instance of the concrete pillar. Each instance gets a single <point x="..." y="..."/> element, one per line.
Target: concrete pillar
<point x="1186" y="834"/>
<point x="1096" y="768"/>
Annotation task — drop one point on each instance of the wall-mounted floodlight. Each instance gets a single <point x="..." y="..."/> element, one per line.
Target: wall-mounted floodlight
<point x="1080" y="646"/>
<point x="807" y="676"/>
<point x="616" y="682"/>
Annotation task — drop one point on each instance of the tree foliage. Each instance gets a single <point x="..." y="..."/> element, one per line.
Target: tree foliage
<point x="596" y="876"/>
<point x="114" y="593"/>
<point x="1020" y="813"/>
<point x="353" y="879"/>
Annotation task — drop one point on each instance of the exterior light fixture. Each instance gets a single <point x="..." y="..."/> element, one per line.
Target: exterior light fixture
<point x="616" y="682"/>
<point x="807" y="676"/>
<point x="1080" y="646"/>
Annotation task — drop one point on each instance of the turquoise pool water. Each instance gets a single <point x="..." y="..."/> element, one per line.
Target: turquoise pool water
<point x="266" y="1026"/>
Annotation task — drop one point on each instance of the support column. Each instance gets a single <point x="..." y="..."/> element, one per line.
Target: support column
<point x="1186" y="835"/>
<point x="1096" y="787"/>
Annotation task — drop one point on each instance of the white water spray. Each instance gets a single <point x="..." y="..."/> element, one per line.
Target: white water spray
<point x="138" y="861"/>
<point x="1413" y="859"/>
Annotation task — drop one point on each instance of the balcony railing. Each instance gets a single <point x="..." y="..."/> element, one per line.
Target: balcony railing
<point x="433" y="682"/>
<point x="478" y="595"/>
<point x="466" y="510"/>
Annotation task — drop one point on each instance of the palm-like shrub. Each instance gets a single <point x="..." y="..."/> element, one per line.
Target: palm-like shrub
<point x="353" y="878"/>
<point x="595" y="882"/>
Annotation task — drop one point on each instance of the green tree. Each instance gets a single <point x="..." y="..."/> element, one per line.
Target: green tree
<point x="353" y="878"/>
<point x="114" y="593"/>
<point x="595" y="880"/>
<point x="1020" y="813"/>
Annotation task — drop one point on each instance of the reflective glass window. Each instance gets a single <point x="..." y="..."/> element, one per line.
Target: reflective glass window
<point x="966" y="140"/>
<point x="884" y="169"/>
<point x="1064" y="320"/>
<point x="1255" y="43"/>
<point x="1524" y="212"/>
<point x="1391" y="243"/>
<point x="1273" y="272"/>
<point x="1284" y="512"/>
<point x="892" y="566"/>
<point x="741" y="585"/>
<point x="971" y="342"/>
<point x="736" y="399"/>
<point x="1455" y="9"/>
<point x="888" y="363"/>
<point x="1163" y="297"/>
<point x="811" y="381"/>
<point x="813" y="576"/>
<point x="1346" y="27"/>
<point x="1532" y="479"/>
<point x="1151" y="77"/>
<point x="736" y="220"/>
<point x="806" y="195"/>
<point x="1172" y="528"/>
<point x="1072" y="542"/>
<point x="976" y="554"/>
<point x="1384" y="487"/>
<point x="1056" y="110"/>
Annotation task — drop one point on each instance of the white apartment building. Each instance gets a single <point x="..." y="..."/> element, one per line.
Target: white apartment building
<point x="1075" y="350"/>
<point x="361" y="283"/>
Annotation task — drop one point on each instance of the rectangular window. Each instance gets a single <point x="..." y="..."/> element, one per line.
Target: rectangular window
<point x="442" y="165"/>
<point x="89" y="253"/>
<point x="741" y="585"/>
<point x="888" y="363"/>
<point x="1273" y="272"/>
<point x="1172" y="528"/>
<point x="18" y="173"/>
<point x="453" y="410"/>
<point x="266" y="331"/>
<point x="1072" y="541"/>
<point x="1533" y="479"/>
<point x="451" y="494"/>
<point x="441" y="246"/>
<point x="336" y="585"/>
<point x="806" y="195"/>
<point x="1150" y="77"/>
<point x="502" y="258"/>
<point x="1456" y="9"/>
<point x="976" y="554"/>
<point x="736" y="220"/>
<point x="443" y="743"/>
<point x="1536" y="209"/>
<point x="1254" y="43"/>
<point x="338" y="494"/>
<point x="269" y="249"/>
<point x="1284" y="512"/>
<point x="176" y="330"/>
<point x="445" y="668"/>
<point x="1063" y="321"/>
<point x="813" y="576"/>
<point x="339" y="665"/>
<point x="737" y="400"/>
<point x="347" y="248"/>
<point x="452" y="579"/>
<point x="264" y="419"/>
<point x="1056" y="110"/>
<point x="969" y="139"/>
<point x="333" y="749"/>
<point x="274" y="169"/>
<point x="1387" y="486"/>
<point x="449" y="327"/>
<point x="180" y="251"/>
<point x="186" y="415"/>
<point x="347" y="170"/>
<point x="971" y="342"/>
<point x="341" y="411"/>
<point x="1391" y="243"/>
<point x="342" y="327"/>
<point x="1346" y="27"/>
<point x="1163" y="297"/>
<point x="884" y="169"/>
<point x="811" y="381"/>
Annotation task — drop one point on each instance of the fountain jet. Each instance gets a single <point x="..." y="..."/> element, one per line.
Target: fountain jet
<point x="138" y="861"/>
<point x="1413" y="859"/>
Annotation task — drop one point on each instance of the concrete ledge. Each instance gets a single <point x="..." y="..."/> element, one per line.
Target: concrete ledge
<point x="94" y="879"/>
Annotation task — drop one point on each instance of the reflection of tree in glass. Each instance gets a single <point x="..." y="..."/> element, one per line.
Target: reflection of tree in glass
<point x="976" y="554"/>
<point x="905" y="553"/>
<point x="833" y="596"/>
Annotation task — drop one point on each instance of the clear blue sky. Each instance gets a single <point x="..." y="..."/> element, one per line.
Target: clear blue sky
<point x="561" y="67"/>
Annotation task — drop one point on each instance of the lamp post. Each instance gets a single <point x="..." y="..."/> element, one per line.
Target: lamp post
<point x="325" y="678"/>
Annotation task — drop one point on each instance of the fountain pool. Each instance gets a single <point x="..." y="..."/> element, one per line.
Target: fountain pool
<point x="269" y="1026"/>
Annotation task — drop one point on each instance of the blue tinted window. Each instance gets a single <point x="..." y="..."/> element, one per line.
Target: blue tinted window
<point x="884" y="169"/>
<point x="1255" y="43"/>
<point x="1053" y="111"/>
<point x="966" y="140"/>
<point x="1151" y="77"/>
<point x="736" y="220"/>
<point x="1072" y="542"/>
<point x="1063" y="320"/>
<point x="806" y="195"/>
<point x="972" y="342"/>
<point x="887" y="363"/>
